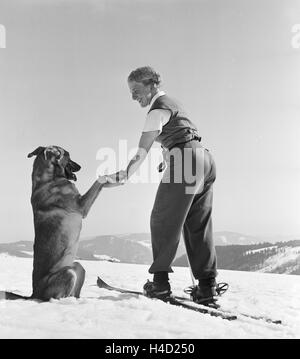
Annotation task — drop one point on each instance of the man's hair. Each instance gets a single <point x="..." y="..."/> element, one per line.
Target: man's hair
<point x="146" y="74"/>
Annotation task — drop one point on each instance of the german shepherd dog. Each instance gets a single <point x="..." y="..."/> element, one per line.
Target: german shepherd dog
<point x="58" y="210"/>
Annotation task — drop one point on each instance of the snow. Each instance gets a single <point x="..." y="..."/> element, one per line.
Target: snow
<point x="110" y="315"/>
<point x="28" y="252"/>
<point x="145" y="243"/>
<point x="260" y="250"/>
<point x="223" y="239"/>
<point x="104" y="257"/>
<point x="289" y="256"/>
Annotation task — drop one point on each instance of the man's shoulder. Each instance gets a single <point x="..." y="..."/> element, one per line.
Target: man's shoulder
<point x="163" y="102"/>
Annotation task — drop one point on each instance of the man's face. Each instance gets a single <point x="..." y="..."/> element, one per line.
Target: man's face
<point x="140" y="92"/>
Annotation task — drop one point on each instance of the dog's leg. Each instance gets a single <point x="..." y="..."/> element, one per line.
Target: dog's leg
<point x="60" y="284"/>
<point x="67" y="282"/>
<point x="86" y="201"/>
<point x="80" y="272"/>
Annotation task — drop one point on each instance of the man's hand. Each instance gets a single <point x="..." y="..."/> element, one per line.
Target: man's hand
<point x="102" y="179"/>
<point x="113" y="180"/>
<point x="121" y="176"/>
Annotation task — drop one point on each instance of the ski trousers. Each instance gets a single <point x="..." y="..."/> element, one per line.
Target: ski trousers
<point x="183" y="204"/>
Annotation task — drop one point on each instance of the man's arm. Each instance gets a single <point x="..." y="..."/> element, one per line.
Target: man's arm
<point x="145" y="143"/>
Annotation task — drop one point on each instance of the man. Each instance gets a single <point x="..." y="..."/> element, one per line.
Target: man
<point x="179" y="207"/>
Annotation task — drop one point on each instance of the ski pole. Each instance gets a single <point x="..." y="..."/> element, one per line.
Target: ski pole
<point x="190" y="268"/>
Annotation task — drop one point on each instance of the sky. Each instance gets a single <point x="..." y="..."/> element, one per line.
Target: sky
<point x="63" y="81"/>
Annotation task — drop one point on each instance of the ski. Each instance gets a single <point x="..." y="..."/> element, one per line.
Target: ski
<point x="245" y="315"/>
<point x="190" y="305"/>
<point x="173" y="300"/>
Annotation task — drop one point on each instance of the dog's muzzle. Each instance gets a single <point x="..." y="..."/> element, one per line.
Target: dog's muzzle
<point x="59" y="153"/>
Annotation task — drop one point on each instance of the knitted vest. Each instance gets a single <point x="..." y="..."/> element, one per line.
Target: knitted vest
<point x="179" y="129"/>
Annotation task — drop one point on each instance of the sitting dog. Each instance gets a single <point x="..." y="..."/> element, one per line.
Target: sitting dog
<point x="58" y="209"/>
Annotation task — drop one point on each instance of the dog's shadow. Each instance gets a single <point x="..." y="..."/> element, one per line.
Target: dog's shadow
<point x="120" y="297"/>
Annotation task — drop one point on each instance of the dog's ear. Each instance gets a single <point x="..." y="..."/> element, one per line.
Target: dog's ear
<point x="70" y="168"/>
<point x="36" y="152"/>
<point x="75" y="167"/>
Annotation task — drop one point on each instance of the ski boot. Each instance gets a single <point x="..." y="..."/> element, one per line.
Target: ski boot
<point x="157" y="290"/>
<point x="207" y="294"/>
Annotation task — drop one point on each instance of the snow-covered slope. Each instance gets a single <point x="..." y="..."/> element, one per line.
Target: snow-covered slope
<point x="103" y="314"/>
<point x="285" y="261"/>
<point x="283" y="257"/>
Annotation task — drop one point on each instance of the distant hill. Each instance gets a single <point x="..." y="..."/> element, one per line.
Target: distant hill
<point x="280" y="257"/>
<point x="242" y="252"/>
<point x="127" y="248"/>
<point x="18" y="249"/>
<point x="227" y="238"/>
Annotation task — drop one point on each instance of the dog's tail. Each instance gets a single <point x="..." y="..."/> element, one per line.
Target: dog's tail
<point x="12" y="296"/>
